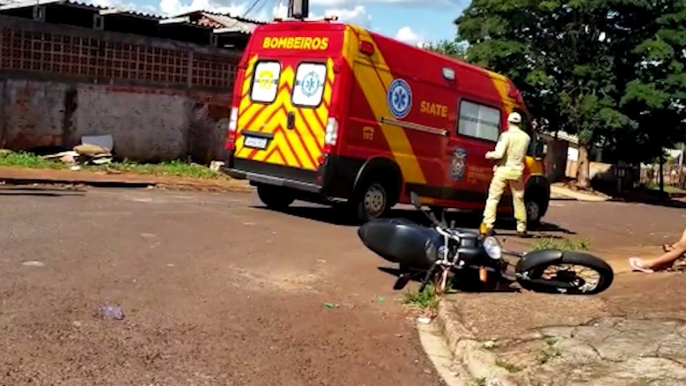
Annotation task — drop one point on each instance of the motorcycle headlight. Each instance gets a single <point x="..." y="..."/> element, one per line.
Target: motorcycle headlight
<point x="492" y="247"/>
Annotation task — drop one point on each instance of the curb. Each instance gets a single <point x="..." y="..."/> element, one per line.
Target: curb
<point x="74" y="181"/>
<point x="118" y="183"/>
<point x="478" y="364"/>
<point x="572" y="195"/>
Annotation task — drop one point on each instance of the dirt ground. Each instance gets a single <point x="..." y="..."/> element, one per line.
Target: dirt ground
<point x="219" y="291"/>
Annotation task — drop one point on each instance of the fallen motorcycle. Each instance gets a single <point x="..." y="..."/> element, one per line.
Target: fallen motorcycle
<point x="440" y="253"/>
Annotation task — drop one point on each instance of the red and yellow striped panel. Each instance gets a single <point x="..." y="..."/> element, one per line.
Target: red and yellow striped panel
<point x="374" y="81"/>
<point x="300" y="147"/>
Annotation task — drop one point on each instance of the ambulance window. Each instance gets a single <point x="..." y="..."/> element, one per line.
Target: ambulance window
<point x="310" y="79"/>
<point x="265" y="82"/>
<point x="479" y="121"/>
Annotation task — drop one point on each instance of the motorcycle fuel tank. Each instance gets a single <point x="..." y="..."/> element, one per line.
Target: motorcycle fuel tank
<point x="402" y="241"/>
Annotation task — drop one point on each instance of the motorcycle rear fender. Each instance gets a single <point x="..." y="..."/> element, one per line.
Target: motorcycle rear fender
<point x="536" y="258"/>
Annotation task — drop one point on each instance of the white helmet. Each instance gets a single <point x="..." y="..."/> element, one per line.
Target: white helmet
<point x="515" y="118"/>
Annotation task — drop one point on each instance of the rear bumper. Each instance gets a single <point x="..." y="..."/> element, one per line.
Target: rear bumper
<point x="258" y="178"/>
<point x="334" y="179"/>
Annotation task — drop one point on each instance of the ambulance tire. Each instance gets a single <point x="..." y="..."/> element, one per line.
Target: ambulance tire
<point x="275" y="197"/>
<point x="371" y="201"/>
<point x="534" y="207"/>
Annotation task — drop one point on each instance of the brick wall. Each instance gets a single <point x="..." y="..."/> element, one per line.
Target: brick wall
<point x="160" y="99"/>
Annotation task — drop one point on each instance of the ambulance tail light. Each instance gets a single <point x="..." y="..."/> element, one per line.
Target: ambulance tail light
<point x="233" y="126"/>
<point x="330" y="139"/>
<point x="331" y="136"/>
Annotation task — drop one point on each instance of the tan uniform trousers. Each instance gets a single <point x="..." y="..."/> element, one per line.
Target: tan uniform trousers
<point x="495" y="192"/>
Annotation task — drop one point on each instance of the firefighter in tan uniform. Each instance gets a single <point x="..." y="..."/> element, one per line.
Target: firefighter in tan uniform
<point x="510" y="153"/>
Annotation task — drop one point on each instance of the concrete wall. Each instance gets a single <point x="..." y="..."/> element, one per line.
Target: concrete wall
<point x="152" y="115"/>
<point x="147" y="124"/>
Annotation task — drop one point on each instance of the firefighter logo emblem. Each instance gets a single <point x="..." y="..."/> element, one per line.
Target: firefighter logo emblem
<point x="310" y="84"/>
<point x="399" y="98"/>
<point x="458" y="164"/>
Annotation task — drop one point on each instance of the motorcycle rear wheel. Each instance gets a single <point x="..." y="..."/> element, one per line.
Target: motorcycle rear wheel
<point x="560" y="270"/>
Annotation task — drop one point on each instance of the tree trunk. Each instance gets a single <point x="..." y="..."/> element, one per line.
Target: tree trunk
<point x="662" y="174"/>
<point x="583" y="168"/>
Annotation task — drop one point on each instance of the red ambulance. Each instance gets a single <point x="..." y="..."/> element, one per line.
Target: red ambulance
<point x="326" y="112"/>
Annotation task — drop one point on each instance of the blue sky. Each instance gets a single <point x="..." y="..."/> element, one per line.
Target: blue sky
<point x="413" y="21"/>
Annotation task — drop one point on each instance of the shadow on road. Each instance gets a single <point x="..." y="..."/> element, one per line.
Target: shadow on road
<point x="39" y="192"/>
<point x="340" y="215"/>
<point x="467" y="283"/>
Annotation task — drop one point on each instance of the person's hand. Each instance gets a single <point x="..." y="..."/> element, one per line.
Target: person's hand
<point x="495" y="167"/>
<point x="489" y="155"/>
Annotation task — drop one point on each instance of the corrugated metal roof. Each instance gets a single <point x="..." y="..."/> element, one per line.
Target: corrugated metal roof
<point x="210" y="13"/>
<point x="31" y="3"/>
<point x="183" y="20"/>
<point x="128" y="12"/>
<point x="232" y="24"/>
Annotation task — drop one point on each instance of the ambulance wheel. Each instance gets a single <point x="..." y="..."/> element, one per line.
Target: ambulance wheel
<point x="275" y="197"/>
<point x="371" y="201"/>
<point x="533" y="212"/>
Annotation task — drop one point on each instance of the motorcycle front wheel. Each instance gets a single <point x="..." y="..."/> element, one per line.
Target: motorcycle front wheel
<point x="575" y="273"/>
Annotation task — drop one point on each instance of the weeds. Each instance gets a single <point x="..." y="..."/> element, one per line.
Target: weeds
<point x="176" y="168"/>
<point x="512" y="368"/>
<point x="549" y="355"/>
<point x="424" y="300"/>
<point x="550" y="340"/>
<point x="564" y="245"/>
<point x="28" y="160"/>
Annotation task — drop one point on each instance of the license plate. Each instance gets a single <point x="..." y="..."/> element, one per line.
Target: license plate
<point x="255" y="142"/>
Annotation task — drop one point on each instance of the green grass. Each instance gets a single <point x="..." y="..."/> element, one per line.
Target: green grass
<point x="28" y="160"/>
<point x="564" y="245"/>
<point x="668" y="188"/>
<point x="550" y="340"/>
<point x="176" y="168"/>
<point x="551" y="352"/>
<point x="424" y="300"/>
<point x="549" y="355"/>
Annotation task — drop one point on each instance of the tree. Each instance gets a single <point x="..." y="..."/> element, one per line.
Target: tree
<point x="655" y="96"/>
<point x="450" y="48"/>
<point x="560" y="55"/>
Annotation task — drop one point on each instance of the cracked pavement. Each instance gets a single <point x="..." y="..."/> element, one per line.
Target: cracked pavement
<point x="605" y="352"/>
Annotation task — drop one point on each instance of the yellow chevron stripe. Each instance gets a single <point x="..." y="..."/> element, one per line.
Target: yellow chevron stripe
<point x="500" y="85"/>
<point x="306" y="148"/>
<point x="374" y="88"/>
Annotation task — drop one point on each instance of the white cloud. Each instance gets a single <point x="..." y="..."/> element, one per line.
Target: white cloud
<point x="357" y="15"/>
<point x="349" y="3"/>
<point x="176" y="7"/>
<point x="408" y="36"/>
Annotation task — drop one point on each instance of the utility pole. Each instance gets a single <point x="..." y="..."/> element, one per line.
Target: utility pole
<point x="298" y="9"/>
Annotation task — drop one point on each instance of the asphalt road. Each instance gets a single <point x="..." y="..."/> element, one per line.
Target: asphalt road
<point x="214" y="290"/>
<point x="219" y="291"/>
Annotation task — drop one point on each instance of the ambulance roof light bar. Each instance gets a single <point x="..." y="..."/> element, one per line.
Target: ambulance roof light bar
<point x="323" y="18"/>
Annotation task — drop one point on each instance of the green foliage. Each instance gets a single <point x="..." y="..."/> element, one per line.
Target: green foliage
<point x="425" y="300"/>
<point x="610" y="71"/>
<point x="27" y="160"/>
<point x="450" y="48"/>
<point x="563" y="245"/>
<point x="176" y="168"/>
